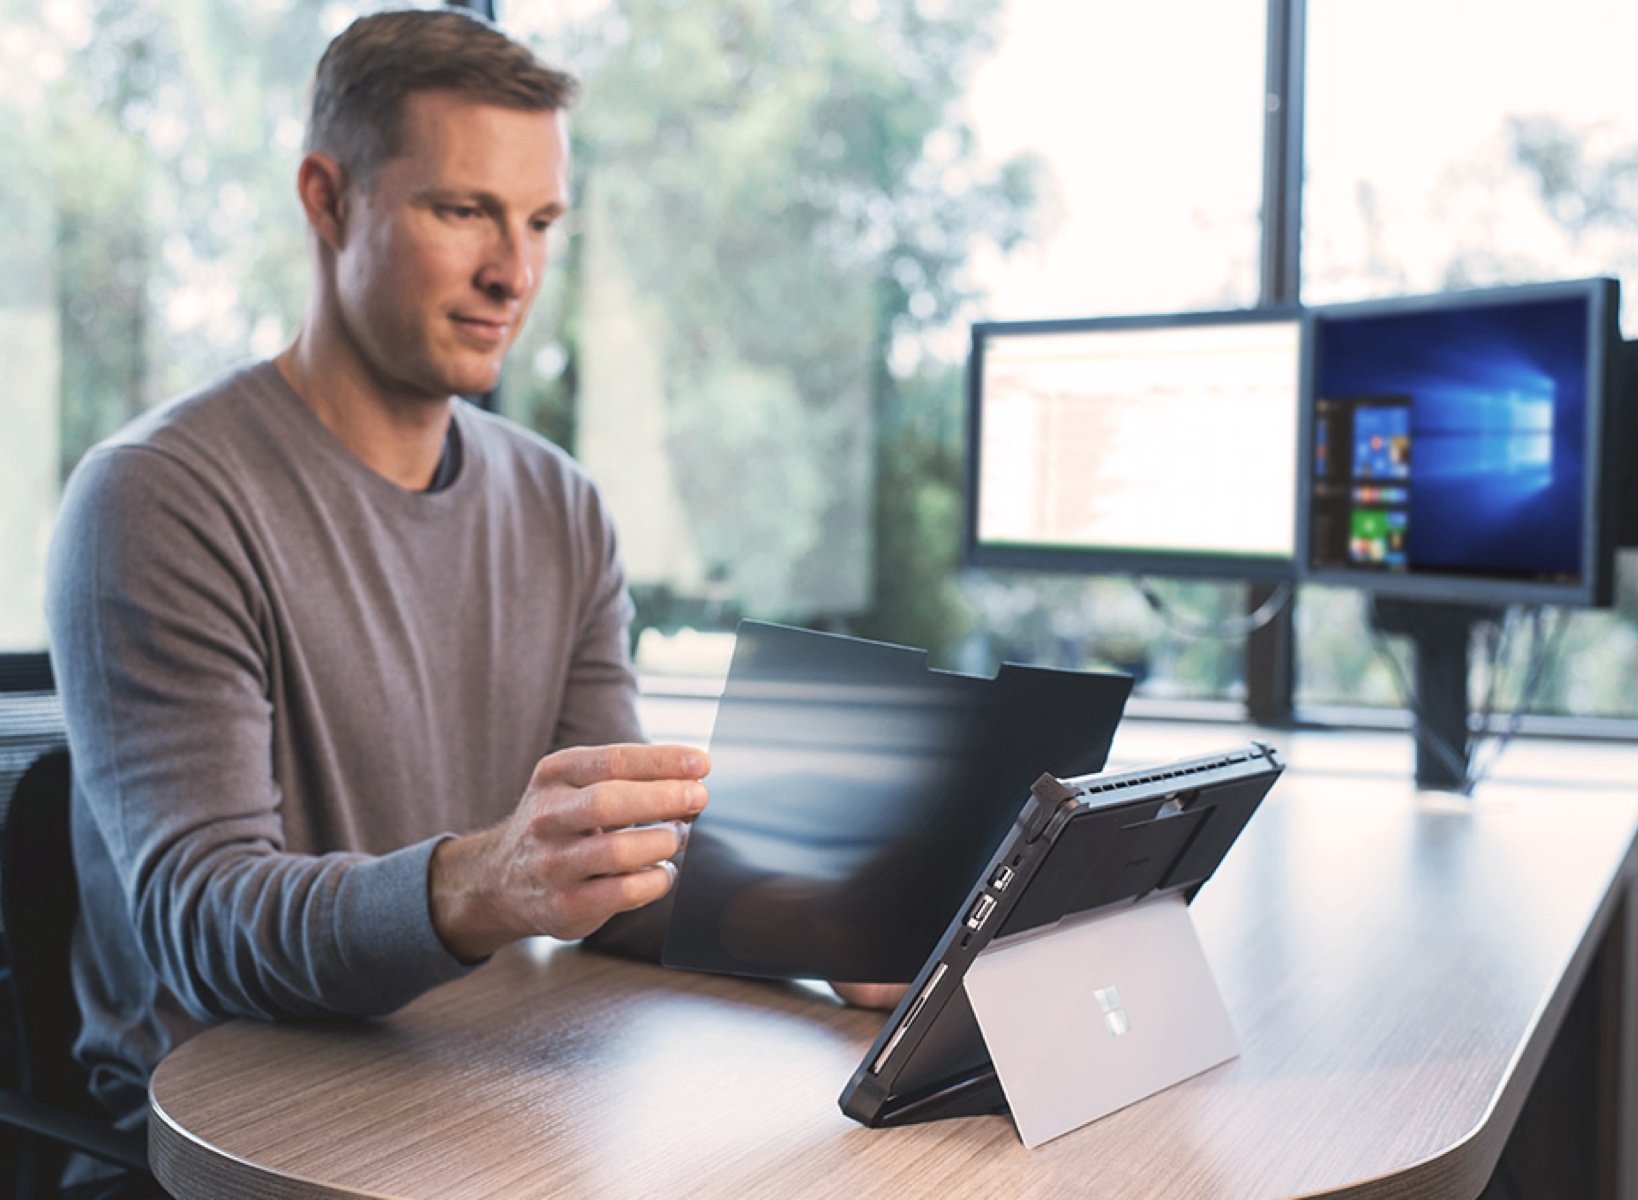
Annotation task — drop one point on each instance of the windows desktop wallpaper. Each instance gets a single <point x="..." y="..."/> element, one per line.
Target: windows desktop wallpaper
<point x="1476" y="417"/>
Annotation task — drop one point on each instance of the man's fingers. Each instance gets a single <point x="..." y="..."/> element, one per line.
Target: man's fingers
<point x="616" y="805"/>
<point x="624" y="851"/>
<point x="622" y="893"/>
<point x="582" y="766"/>
<point x="590" y="838"/>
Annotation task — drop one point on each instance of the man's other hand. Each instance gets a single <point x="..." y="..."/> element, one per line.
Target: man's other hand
<point x="594" y="835"/>
<point x="871" y="995"/>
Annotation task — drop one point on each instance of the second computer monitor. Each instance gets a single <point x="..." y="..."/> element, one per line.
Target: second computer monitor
<point x="1458" y="446"/>
<point x="1152" y="444"/>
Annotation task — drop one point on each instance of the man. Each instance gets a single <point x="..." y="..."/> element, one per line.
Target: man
<point x="318" y="619"/>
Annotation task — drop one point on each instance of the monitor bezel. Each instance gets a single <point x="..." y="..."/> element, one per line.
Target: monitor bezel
<point x="1110" y="559"/>
<point x="1595" y="588"/>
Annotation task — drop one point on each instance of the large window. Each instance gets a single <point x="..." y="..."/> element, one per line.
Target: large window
<point x="786" y="215"/>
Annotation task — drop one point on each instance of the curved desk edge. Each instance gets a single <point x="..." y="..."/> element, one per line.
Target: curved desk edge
<point x="221" y="1173"/>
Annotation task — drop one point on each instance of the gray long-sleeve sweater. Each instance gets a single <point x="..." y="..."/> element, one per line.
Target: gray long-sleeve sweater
<point x="285" y="678"/>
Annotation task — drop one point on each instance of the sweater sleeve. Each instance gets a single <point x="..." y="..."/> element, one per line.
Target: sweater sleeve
<point x="600" y="697"/>
<point x="162" y="652"/>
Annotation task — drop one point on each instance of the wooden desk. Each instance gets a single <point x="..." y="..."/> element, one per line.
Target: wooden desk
<point x="1397" y="975"/>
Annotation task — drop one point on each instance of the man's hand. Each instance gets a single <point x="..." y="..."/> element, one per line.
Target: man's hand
<point x="871" y="995"/>
<point x="593" y="836"/>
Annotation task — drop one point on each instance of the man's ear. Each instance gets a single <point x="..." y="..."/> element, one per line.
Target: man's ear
<point x="321" y="185"/>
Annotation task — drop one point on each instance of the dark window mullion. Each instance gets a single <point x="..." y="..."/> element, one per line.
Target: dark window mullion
<point x="1270" y="664"/>
<point x="484" y="8"/>
<point x="1281" y="275"/>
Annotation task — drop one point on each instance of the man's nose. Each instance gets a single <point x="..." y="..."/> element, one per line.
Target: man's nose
<point x="510" y="269"/>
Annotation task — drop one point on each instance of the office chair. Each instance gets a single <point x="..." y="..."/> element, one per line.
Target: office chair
<point x="43" y="1092"/>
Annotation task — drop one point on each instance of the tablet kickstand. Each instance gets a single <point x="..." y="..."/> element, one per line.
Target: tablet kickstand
<point x="1098" y="1012"/>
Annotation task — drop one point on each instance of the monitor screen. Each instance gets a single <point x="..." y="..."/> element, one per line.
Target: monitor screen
<point x="1164" y="445"/>
<point x="1457" y="444"/>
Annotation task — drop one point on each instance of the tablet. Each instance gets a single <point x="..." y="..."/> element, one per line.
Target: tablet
<point x="1078" y="846"/>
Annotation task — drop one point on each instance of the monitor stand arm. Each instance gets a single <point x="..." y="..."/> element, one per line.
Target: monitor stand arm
<point x="1442" y="635"/>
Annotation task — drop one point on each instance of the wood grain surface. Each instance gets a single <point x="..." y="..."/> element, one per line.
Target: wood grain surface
<point x="1396" y="971"/>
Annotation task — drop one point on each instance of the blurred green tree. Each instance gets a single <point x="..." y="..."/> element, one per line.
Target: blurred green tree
<point x="175" y="131"/>
<point x="792" y="189"/>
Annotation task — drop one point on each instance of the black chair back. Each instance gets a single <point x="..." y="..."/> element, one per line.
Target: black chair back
<point x="39" y="902"/>
<point x="45" y="1090"/>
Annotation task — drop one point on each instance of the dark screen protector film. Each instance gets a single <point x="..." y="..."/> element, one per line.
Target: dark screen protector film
<point x="856" y="795"/>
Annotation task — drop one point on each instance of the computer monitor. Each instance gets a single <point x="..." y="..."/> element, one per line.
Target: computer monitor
<point x="1461" y="458"/>
<point x="1460" y="447"/>
<point x="1161" y="445"/>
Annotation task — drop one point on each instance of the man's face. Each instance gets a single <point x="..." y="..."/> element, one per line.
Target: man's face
<point x="443" y="250"/>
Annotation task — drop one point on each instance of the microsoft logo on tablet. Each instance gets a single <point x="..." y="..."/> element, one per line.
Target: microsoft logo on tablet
<point x="1114" y="1016"/>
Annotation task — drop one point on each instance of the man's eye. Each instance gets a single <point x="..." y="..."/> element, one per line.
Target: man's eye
<point x="461" y="212"/>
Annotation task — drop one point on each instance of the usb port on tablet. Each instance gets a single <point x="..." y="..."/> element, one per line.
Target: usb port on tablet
<point x="981" y="912"/>
<point x="1002" y="877"/>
